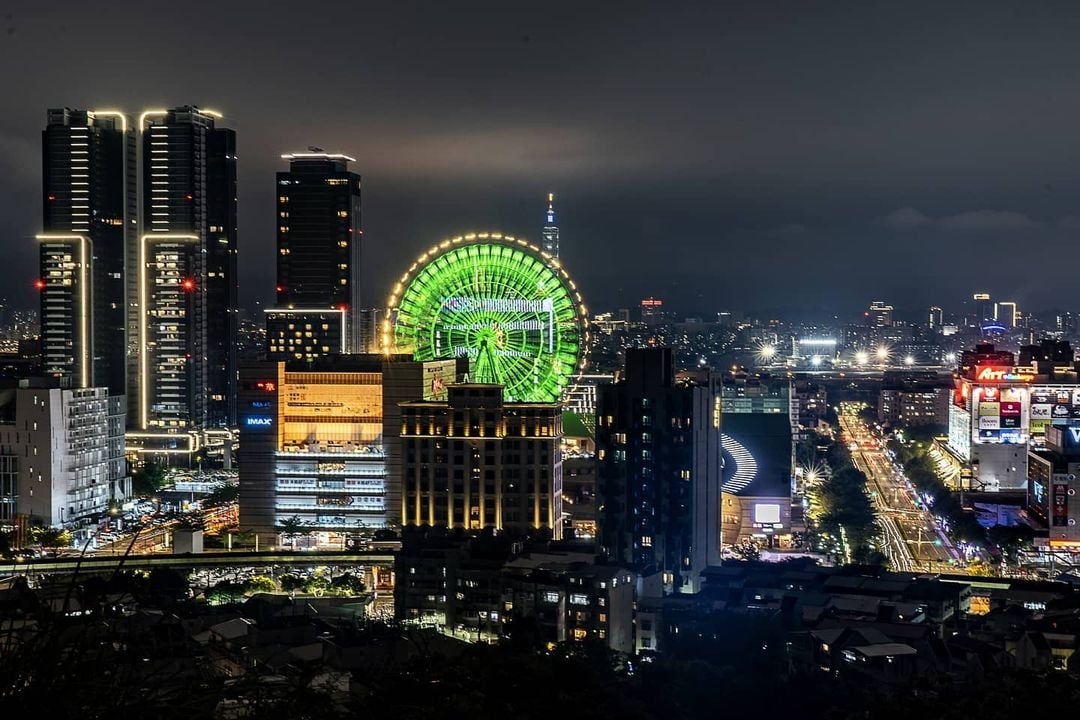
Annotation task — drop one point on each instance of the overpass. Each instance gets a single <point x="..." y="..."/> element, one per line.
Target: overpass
<point x="109" y="563"/>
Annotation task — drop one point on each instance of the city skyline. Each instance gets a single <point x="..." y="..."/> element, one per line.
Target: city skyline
<point x="809" y="151"/>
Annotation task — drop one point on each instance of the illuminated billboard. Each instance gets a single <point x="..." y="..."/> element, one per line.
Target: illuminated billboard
<point x="996" y="374"/>
<point x="1053" y="405"/>
<point x="498" y="301"/>
<point x="437" y="376"/>
<point x="999" y="414"/>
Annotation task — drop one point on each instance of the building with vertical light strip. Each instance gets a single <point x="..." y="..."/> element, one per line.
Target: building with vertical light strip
<point x="317" y="311"/>
<point x="186" y="290"/>
<point x="89" y="209"/>
<point x="1007" y="314"/>
<point x="475" y="462"/>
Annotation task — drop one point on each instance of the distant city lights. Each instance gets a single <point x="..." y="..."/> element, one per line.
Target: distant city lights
<point x="766" y="352"/>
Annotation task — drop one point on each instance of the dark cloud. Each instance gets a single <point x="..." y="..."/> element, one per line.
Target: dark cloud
<point x="683" y="139"/>
<point x="984" y="221"/>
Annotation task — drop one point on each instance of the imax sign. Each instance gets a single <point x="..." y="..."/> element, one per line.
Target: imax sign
<point x="258" y="421"/>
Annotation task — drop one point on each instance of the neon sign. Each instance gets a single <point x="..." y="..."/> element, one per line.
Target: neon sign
<point x="988" y="373"/>
<point x="266" y="385"/>
<point x="258" y="421"/>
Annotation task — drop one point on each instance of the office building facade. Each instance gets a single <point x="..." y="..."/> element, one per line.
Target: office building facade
<point x="319" y="440"/>
<point x="475" y="462"/>
<point x="186" y="267"/>
<point x="318" y="246"/>
<point x="760" y="422"/>
<point x="1053" y="484"/>
<point x="658" y="469"/>
<point x="304" y="334"/>
<point x="89" y="208"/>
<point x="1000" y="408"/>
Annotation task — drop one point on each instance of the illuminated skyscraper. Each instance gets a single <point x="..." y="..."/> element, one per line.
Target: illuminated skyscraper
<point x="652" y="310"/>
<point x="187" y="292"/>
<point x="551" y="231"/>
<point x="880" y="314"/>
<point x="318" y="259"/>
<point x="936" y="318"/>
<point x="89" y="205"/>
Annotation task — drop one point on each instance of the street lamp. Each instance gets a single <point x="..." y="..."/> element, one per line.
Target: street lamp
<point x="862" y="357"/>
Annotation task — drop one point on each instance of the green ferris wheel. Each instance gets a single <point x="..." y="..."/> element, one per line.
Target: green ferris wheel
<point x="503" y="303"/>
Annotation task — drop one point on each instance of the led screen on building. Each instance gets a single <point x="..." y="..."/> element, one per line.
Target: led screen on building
<point x="999" y="414"/>
<point x="960" y="432"/>
<point x="1053" y="405"/>
<point x="757" y="454"/>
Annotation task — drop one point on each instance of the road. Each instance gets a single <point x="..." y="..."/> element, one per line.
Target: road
<point x="158" y="538"/>
<point x="109" y="563"/>
<point x="912" y="540"/>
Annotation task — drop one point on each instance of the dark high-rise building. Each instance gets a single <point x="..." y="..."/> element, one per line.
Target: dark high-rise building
<point x="659" y="469"/>
<point x="89" y="205"/>
<point x="318" y="260"/>
<point x="551" y="230"/>
<point x="187" y="292"/>
<point x="984" y="307"/>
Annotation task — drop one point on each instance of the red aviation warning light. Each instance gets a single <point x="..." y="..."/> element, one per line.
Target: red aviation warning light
<point x="188" y="284"/>
<point x="39" y="284"/>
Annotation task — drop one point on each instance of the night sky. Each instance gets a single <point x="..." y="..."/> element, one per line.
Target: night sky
<point x="753" y="155"/>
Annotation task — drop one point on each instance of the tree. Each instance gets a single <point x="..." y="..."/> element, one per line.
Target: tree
<point x="291" y="582"/>
<point x="317" y="584"/>
<point x="292" y="528"/>
<point x="1010" y="539"/>
<point x="347" y="584"/>
<point x="54" y="538"/>
<point x="222" y="495"/>
<point x="260" y="584"/>
<point x="150" y="478"/>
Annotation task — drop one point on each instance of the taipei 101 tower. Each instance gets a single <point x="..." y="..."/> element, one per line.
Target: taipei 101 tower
<point x="551" y="231"/>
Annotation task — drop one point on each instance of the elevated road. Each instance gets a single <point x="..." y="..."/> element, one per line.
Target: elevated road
<point x="110" y="563"/>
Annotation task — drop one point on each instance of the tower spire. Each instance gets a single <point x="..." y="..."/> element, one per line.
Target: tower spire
<point x="551" y="231"/>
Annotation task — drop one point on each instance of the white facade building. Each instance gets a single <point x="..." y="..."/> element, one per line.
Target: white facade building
<point x="61" y="452"/>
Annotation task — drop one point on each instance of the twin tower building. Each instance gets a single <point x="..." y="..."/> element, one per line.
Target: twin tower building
<point x="138" y="275"/>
